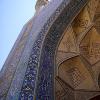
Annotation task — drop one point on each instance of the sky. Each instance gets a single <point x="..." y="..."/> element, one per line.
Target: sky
<point x="13" y="15"/>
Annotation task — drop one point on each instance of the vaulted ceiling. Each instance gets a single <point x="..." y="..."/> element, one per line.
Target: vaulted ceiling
<point x="78" y="54"/>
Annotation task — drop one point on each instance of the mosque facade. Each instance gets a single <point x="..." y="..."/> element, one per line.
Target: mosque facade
<point x="57" y="54"/>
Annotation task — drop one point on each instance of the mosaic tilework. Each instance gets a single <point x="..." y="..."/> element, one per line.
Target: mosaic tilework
<point x="15" y="87"/>
<point x="27" y="91"/>
<point x="46" y="70"/>
<point x="45" y="90"/>
<point x="12" y="61"/>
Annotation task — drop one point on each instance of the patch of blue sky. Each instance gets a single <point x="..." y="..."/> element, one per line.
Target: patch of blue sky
<point x="13" y="15"/>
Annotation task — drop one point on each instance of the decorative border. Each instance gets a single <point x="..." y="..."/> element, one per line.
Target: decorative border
<point x="45" y="84"/>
